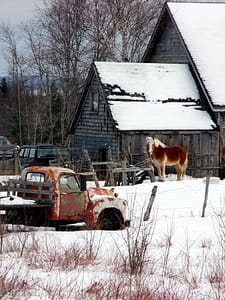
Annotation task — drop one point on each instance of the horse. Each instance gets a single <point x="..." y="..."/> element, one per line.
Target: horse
<point x="163" y="156"/>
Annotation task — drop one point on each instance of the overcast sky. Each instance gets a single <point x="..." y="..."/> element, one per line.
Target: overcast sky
<point x="13" y="12"/>
<point x="16" y="11"/>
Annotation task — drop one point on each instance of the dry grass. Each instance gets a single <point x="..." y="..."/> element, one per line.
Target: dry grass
<point x="141" y="270"/>
<point x="12" y="284"/>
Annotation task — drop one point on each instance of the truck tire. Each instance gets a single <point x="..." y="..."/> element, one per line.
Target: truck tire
<point x="110" y="219"/>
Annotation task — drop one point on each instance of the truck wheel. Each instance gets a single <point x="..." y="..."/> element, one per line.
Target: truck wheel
<point x="110" y="219"/>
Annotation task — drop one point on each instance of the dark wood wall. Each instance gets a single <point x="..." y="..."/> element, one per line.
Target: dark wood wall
<point x="95" y="129"/>
<point x="166" y="47"/>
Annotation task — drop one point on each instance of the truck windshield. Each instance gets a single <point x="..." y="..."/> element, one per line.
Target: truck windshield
<point x="68" y="183"/>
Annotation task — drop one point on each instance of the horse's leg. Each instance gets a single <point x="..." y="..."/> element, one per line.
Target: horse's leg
<point x="184" y="168"/>
<point x="183" y="164"/>
<point x="159" y="172"/>
<point x="181" y="169"/>
<point x="158" y="167"/>
<point x="181" y="172"/>
<point x="178" y="169"/>
<point x="163" y="170"/>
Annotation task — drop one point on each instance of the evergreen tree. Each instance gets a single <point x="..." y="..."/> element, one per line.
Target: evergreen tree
<point x="4" y="86"/>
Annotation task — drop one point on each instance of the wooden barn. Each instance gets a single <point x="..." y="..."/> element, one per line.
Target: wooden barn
<point x="176" y="93"/>
<point x="194" y="34"/>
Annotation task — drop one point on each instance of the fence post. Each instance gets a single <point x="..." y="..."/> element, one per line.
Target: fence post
<point x="110" y="166"/>
<point x="150" y="203"/>
<point x="90" y="165"/>
<point x="149" y="165"/>
<point x="124" y="174"/>
<point x="206" y="195"/>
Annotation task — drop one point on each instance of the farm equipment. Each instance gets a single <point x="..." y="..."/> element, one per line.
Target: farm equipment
<point x="58" y="197"/>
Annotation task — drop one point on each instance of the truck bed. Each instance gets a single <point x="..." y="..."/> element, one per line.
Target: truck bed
<point x="39" y="192"/>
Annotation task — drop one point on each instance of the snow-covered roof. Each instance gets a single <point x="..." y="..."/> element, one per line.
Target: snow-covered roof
<point x="144" y="96"/>
<point x="202" y="26"/>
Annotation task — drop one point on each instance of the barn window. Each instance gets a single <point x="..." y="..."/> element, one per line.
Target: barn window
<point x="94" y="97"/>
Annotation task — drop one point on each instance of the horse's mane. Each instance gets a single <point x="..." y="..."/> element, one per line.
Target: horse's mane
<point x="159" y="143"/>
<point x="152" y="140"/>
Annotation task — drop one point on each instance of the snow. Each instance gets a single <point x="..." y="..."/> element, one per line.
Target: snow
<point x="202" y="26"/>
<point x="16" y="200"/>
<point x="153" y="81"/>
<point x="183" y="246"/>
<point x="160" y="116"/>
<point x="138" y="93"/>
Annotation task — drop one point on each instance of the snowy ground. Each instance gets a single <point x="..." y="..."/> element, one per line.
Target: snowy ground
<point x="177" y="254"/>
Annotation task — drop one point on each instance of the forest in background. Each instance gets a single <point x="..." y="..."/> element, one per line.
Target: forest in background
<point x="49" y="57"/>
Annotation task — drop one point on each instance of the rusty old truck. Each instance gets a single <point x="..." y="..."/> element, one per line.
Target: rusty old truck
<point x="58" y="197"/>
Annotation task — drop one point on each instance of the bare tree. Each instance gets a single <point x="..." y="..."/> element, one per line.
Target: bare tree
<point x="9" y="40"/>
<point x="119" y="30"/>
<point x="100" y="33"/>
<point x="58" y="43"/>
<point x="62" y="41"/>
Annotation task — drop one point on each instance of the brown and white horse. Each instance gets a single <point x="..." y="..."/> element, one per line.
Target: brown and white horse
<point x="163" y="156"/>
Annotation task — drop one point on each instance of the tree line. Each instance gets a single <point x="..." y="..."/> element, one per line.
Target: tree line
<point x="48" y="59"/>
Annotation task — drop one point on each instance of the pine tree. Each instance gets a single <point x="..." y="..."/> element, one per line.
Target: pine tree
<point x="4" y="86"/>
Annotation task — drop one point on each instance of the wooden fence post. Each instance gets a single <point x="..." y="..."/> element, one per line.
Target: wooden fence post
<point x="206" y="195"/>
<point x="110" y="166"/>
<point x="124" y="173"/>
<point x="150" y="203"/>
<point x="90" y="165"/>
<point x="149" y="165"/>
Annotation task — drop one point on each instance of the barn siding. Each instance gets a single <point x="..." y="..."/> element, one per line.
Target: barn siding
<point x="221" y="118"/>
<point x="95" y="129"/>
<point x="167" y="46"/>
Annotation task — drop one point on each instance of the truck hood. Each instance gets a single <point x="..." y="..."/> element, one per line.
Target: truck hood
<point x="102" y="198"/>
<point x="100" y="193"/>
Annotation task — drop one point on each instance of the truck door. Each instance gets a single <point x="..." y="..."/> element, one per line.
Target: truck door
<point x="72" y="200"/>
